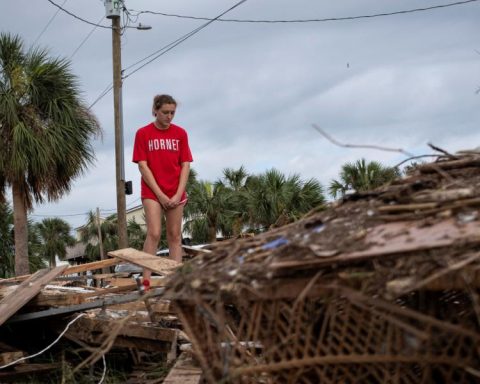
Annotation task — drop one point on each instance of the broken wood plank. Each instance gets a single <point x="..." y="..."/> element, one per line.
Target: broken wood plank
<point x="24" y="369"/>
<point x="56" y="299"/>
<point x="8" y="357"/>
<point x="406" y="207"/>
<point x="443" y="195"/>
<point x="10" y="304"/>
<point x="397" y="238"/>
<point x="85" y="306"/>
<point x="473" y="161"/>
<point x="70" y="270"/>
<point x="96" y="334"/>
<point x="185" y="371"/>
<point x="91" y="266"/>
<point x="129" y="329"/>
<point x="153" y="263"/>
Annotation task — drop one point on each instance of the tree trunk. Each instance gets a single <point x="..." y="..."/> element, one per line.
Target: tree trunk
<point x="212" y="233"/>
<point x="22" y="266"/>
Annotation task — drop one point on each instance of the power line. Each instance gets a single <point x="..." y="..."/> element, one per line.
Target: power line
<point x="87" y="37"/>
<point x="104" y="93"/>
<point x="172" y="45"/>
<point x="161" y="52"/>
<point x="73" y="214"/>
<point x="77" y="17"/>
<point x="309" y="20"/>
<point x="48" y="24"/>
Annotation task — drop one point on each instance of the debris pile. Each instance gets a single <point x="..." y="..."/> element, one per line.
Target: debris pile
<point x="380" y="287"/>
<point x="56" y="328"/>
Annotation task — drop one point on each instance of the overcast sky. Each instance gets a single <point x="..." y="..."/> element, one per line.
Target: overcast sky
<point x="249" y="93"/>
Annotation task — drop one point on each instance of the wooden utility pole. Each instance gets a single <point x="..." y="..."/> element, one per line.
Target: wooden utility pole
<point x="100" y="238"/>
<point x="119" y="149"/>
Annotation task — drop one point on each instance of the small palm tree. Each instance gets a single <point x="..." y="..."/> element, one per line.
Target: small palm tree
<point x="7" y="255"/>
<point x="45" y="133"/>
<point x="55" y="238"/>
<point x="89" y="235"/>
<point x="207" y="209"/>
<point x="235" y="181"/>
<point x="136" y="234"/>
<point x="274" y="199"/>
<point x="362" y="176"/>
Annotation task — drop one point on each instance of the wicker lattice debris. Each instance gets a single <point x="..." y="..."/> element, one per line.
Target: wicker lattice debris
<point x="379" y="288"/>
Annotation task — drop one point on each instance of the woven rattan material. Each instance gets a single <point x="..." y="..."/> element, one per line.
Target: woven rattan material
<point x="360" y="292"/>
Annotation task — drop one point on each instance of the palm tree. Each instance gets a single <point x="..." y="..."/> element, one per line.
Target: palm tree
<point x="7" y="256"/>
<point x="235" y="181"/>
<point x="207" y="210"/>
<point x="55" y="237"/>
<point x="136" y="234"/>
<point x="7" y="249"/>
<point x="89" y="235"/>
<point x="45" y="132"/>
<point x="362" y="176"/>
<point x="276" y="200"/>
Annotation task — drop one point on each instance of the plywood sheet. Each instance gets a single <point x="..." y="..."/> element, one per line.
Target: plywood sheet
<point x="154" y="263"/>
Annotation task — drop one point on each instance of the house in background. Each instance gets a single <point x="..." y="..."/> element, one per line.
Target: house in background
<point x="76" y="253"/>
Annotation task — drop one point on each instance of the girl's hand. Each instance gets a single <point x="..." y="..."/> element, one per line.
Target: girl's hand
<point x="164" y="201"/>
<point x="175" y="200"/>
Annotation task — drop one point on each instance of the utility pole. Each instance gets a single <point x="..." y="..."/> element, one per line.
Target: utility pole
<point x="100" y="240"/>
<point x="113" y="9"/>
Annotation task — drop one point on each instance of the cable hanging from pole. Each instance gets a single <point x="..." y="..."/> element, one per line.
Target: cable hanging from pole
<point x="433" y="7"/>
<point x="172" y="45"/>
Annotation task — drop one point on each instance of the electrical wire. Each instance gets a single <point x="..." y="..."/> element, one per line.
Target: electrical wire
<point x="102" y="95"/>
<point x="86" y="38"/>
<point x="48" y="24"/>
<point x="46" y="348"/>
<point x="172" y="45"/>
<point x="77" y="17"/>
<point x="71" y="215"/>
<point x="309" y="20"/>
<point x="160" y="52"/>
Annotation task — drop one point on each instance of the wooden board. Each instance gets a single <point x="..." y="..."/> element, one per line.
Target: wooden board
<point x="10" y="304"/>
<point x="70" y="270"/>
<point x="185" y="371"/>
<point x="91" y="266"/>
<point x="154" y="263"/>
<point x="103" y="302"/>
<point x="95" y="325"/>
<point x="397" y="238"/>
<point x="24" y="369"/>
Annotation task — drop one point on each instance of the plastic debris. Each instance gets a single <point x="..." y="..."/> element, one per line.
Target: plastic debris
<point x="275" y="243"/>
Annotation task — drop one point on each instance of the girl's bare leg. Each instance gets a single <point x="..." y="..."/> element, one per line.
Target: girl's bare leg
<point x="153" y="219"/>
<point x="174" y="232"/>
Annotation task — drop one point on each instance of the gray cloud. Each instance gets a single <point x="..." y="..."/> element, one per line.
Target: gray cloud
<point x="249" y="93"/>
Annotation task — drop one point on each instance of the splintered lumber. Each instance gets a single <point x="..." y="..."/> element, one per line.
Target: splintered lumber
<point x="8" y="357"/>
<point x="185" y="371"/>
<point x="9" y="354"/>
<point x="398" y="238"/>
<point x="25" y="369"/>
<point x="56" y="299"/>
<point x="91" y="266"/>
<point x="93" y="324"/>
<point x="123" y="334"/>
<point x="70" y="270"/>
<point x="10" y="304"/>
<point x="126" y="298"/>
<point x="153" y="263"/>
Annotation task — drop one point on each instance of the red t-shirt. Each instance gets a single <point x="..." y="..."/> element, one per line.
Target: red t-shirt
<point x="164" y="150"/>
